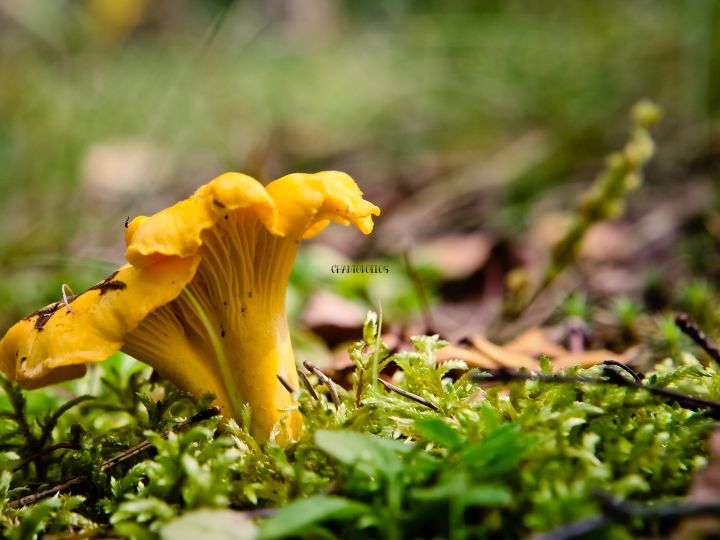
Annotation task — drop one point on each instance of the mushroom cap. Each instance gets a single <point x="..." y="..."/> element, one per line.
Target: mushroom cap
<point x="52" y="344"/>
<point x="298" y="205"/>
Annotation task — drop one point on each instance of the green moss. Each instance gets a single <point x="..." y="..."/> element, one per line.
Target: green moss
<point x="489" y="462"/>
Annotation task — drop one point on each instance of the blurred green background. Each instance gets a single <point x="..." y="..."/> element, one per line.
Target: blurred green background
<point x="452" y="116"/>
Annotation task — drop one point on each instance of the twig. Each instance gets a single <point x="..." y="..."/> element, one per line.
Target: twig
<point x="543" y="304"/>
<point x="325" y="379"/>
<point x="307" y="384"/>
<point x="419" y="290"/>
<point x="44" y="452"/>
<point x="691" y="329"/>
<point x="623" y="511"/>
<point x="689" y="402"/>
<point x="409" y="395"/>
<point x="51" y="422"/>
<point x="285" y="383"/>
<point x="574" y="530"/>
<point x="625" y="368"/>
<point x="113" y="461"/>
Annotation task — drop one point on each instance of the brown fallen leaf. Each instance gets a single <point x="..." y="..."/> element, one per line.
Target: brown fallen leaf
<point x="587" y="359"/>
<point x="333" y="318"/>
<point x="502" y="356"/>
<point x="525" y="350"/>
<point x="472" y="358"/>
<point x="455" y="256"/>
<point x="534" y="342"/>
<point x="609" y="241"/>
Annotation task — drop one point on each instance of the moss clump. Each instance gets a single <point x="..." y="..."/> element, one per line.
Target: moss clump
<point x="486" y="462"/>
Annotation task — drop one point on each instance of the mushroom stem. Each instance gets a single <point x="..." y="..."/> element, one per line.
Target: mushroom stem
<point x="230" y="386"/>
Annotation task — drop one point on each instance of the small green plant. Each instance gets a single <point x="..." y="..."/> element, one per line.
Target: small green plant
<point x="699" y="299"/>
<point x="576" y="305"/>
<point x="606" y="198"/>
<point x="670" y="341"/>
<point x="626" y="312"/>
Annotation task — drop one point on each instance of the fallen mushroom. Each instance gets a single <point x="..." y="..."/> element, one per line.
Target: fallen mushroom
<point x="202" y="299"/>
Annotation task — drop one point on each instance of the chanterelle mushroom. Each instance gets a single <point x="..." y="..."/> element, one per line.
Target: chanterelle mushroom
<point x="202" y="299"/>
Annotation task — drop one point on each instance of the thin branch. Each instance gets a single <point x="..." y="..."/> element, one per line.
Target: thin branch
<point x="49" y="425"/>
<point x="625" y="368"/>
<point x="419" y="290"/>
<point x="619" y="512"/>
<point x="285" y="383"/>
<point x="409" y="395"/>
<point x="44" y="452"/>
<point x="325" y="379"/>
<point x="112" y="462"/>
<point x="306" y="384"/>
<point x="691" y="329"/>
<point x="575" y="530"/>
<point x="689" y="402"/>
<point x="542" y="305"/>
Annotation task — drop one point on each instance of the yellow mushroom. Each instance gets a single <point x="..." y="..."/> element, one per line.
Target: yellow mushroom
<point x="202" y="299"/>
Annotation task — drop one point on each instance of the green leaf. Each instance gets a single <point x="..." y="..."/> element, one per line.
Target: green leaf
<point x="295" y="518"/>
<point x="488" y="496"/>
<point x="351" y="448"/>
<point x="370" y="327"/>
<point x="499" y="452"/>
<point x="438" y="431"/>
<point x="143" y="510"/>
<point x="455" y="487"/>
<point x="35" y="520"/>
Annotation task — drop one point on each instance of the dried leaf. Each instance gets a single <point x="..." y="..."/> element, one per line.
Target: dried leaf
<point x="333" y="318"/>
<point x="502" y="356"/>
<point x="455" y="256"/>
<point x="592" y="358"/>
<point x="534" y="342"/>
<point x="473" y="358"/>
<point x="524" y="351"/>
